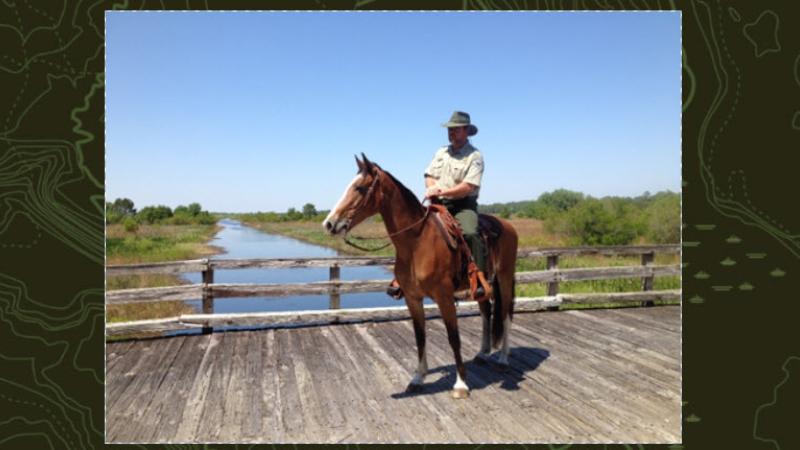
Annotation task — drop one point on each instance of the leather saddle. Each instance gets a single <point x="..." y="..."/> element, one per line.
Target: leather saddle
<point x="489" y="229"/>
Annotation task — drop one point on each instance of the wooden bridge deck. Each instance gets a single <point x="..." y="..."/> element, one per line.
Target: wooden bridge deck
<point x="576" y="376"/>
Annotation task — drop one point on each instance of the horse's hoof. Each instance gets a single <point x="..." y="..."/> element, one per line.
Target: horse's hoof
<point x="460" y="393"/>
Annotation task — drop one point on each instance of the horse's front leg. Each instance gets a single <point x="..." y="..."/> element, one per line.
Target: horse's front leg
<point x="418" y="318"/>
<point x="447" y="307"/>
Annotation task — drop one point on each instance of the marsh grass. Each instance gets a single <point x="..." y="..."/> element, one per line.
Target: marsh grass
<point x="152" y="243"/>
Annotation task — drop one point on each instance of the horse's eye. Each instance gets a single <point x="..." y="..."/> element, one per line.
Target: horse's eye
<point x="361" y="189"/>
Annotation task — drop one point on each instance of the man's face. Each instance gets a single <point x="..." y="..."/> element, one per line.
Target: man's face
<point x="457" y="135"/>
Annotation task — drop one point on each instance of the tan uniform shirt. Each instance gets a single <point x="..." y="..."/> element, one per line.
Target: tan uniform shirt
<point x="451" y="168"/>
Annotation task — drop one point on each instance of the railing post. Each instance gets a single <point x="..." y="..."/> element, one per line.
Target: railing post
<point x="647" y="282"/>
<point x="208" y="294"/>
<point x="552" y="286"/>
<point x="336" y="302"/>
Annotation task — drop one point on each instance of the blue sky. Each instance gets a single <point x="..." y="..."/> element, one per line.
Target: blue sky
<point x="264" y="111"/>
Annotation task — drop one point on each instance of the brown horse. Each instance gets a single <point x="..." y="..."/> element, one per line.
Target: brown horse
<point x="425" y="265"/>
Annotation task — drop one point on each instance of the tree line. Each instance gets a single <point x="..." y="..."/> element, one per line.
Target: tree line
<point x="122" y="210"/>
<point x="587" y="220"/>
<point x="582" y="219"/>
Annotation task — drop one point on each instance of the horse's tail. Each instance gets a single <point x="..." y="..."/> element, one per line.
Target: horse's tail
<point x="497" y="314"/>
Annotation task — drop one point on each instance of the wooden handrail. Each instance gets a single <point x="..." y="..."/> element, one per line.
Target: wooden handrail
<point x="222" y="290"/>
<point x="198" y="265"/>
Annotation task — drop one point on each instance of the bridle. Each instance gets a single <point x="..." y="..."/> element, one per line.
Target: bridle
<point x="364" y="199"/>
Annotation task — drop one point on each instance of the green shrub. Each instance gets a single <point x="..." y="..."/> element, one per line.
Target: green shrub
<point x="595" y="222"/>
<point x="130" y="224"/>
<point x="663" y="218"/>
<point x="153" y="214"/>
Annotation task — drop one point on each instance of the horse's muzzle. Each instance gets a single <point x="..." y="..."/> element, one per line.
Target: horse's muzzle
<point x="336" y="227"/>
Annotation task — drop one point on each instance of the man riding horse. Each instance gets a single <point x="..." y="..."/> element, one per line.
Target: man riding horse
<point x="426" y="264"/>
<point x="454" y="178"/>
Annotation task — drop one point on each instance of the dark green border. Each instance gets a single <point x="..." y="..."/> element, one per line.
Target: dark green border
<point x="741" y="128"/>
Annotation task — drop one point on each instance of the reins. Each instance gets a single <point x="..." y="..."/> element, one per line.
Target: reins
<point x="353" y="244"/>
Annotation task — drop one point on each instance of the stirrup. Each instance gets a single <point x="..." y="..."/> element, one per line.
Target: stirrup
<point x="394" y="290"/>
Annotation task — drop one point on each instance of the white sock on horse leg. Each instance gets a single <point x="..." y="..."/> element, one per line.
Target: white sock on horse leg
<point x="460" y="384"/>
<point x="422" y="369"/>
<point x="504" y="349"/>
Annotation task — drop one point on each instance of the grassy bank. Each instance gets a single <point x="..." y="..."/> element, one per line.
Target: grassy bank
<point x="151" y="243"/>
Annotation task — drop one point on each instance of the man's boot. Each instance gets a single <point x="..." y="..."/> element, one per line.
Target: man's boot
<point x="477" y="247"/>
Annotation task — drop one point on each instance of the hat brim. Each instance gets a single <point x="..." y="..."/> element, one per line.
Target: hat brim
<point x="472" y="130"/>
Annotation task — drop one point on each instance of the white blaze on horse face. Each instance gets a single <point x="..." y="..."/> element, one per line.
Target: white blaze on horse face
<point x="333" y="216"/>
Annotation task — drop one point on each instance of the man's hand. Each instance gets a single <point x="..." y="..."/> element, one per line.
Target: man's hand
<point x="433" y="192"/>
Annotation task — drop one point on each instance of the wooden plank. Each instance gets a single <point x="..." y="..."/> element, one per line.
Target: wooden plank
<point x="553" y="422"/>
<point x="479" y="408"/>
<point x="544" y="404"/>
<point x="395" y="374"/>
<point x="222" y="290"/>
<point x="621" y="297"/>
<point x="156" y="294"/>
<point x="383" y="423"/>
<point x="134" y="400"/>
<point x="600" y="250"/>
<point x="292" y="414"/>
<point x="597" y="273"/>
<point x="253" y="427"/>
<point x="196" y="399"/>
<point x="323" y="377"/>
<point x="620" y="398"/>
<point x="236" y="406"/>
<point x="272" y="412"/>
<point x="211" y="426"/>
<point x="173" y="394"/>
<point x="194" y="265"/>
<point x="276" y="263"/>
<point x="124" y="371"/>
<point x="146" y="326"/>
<point x="629" y="391"/>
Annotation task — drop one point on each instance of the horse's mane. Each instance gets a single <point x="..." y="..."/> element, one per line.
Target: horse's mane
<point x="411" y="200"/>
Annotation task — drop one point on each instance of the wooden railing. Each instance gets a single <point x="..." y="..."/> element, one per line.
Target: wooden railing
<point x="334" y="287"/>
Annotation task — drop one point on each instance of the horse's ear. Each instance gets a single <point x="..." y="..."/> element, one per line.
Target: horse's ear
<point x="360" y="164"/>
<point x="367" y="162"/>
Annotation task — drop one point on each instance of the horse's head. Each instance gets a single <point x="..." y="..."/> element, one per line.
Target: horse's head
<point x="360" y="200"/>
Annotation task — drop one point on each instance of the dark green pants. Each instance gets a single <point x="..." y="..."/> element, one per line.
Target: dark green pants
<point x="465" y="211"/>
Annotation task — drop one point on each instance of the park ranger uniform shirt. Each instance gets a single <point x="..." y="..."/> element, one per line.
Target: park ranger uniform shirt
<point x="450" y="168"/>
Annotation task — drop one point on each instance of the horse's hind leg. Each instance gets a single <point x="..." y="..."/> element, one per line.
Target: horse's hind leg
<point x="507" y="297"/>
<point x="484" y="354"/>
<point x="418" y="318"/>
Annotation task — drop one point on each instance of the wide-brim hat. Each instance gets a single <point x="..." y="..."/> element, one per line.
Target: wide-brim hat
<point x="461" y="119"/>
